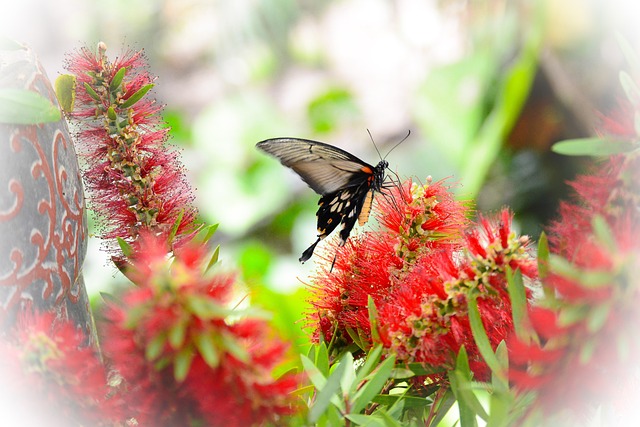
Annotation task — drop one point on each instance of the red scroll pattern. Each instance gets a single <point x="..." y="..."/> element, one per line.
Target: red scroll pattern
<point x="42" y="220"/>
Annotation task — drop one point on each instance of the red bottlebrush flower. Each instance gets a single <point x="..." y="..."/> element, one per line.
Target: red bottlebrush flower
<point x="588" y="321"/>
<point x="51" y="378"/>
<point x="420" y="270"/>
<point x="135" y="180"/>
<point x="181" y="356"/>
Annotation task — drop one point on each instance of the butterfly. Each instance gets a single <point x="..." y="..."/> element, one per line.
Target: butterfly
<point x="346" y="183"/>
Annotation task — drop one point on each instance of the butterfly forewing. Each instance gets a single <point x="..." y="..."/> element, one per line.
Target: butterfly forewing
<point x="346" y="183"/>
<point x="323" y="167"/>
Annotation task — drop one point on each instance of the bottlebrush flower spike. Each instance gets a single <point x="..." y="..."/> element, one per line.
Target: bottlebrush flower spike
<point x="49" y="377"/>
<point x="182" y="357"/>
<point x="420" y="269"/>
<point x="135" y="180"/>
<point x="589" y="318"/>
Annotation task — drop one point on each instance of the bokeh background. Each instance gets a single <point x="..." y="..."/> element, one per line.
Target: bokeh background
<point x="485" y="87"/>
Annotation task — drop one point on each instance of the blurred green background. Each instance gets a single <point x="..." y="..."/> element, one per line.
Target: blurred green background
<point x="485" y="87"/>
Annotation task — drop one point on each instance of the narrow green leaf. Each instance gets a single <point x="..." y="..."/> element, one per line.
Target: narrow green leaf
<point x="421" y="370"/>
<point x="373" y="319"/>
<point x="208" y="232"/>
<point x="482" y="341"/>
<point x="111" y="113"/>
<point x="598" y="317"/>
<point x="348" y="379"/>
<point x="499" y="406"/>
<point x="206" y="307"/>
<point x="325" y="395"/>
<point x="502" y="354"/>
<point x="154" y="347"/>
<point x="127" y="249"/>
<point x="593" y="147"/>
<point x="372" y="360"/>
<point x="591" y="279"/>
<point x="313" y="373"/>
<point x="175" y="225"/>
<point x="65" y="87"/>
<point x="24" y="107"/>
<point x="117" y="79"/>
<point x="467" y="398"/>
<point x="572" y="314"/>
<point x="136" y="96"/>
<point x="379" y="378"/>
<point x="177" y="332"/>
<point x="355" y="336"/>
<point x="402" y="373"/>
<point x="444" y="405"/>
<point x="233" y="346"/>
<point x="458" y="379"/>
<point x="407" y="401"/>
<point x="92" y="93"/>
<point x="182" y="363"/>
<point x="207" y="348"/>
<point x="518" y="297"/>
<point x="214" y="258"/>
<point x="322" y="359"/>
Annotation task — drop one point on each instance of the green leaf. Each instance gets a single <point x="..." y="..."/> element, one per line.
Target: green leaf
<point x="155" y="346"/>
<point x="92" y="93"/>
<point x="177" y="332"/>
<point x="598" y="317"/>
<point x="233" y="346"/>
<point x="459" y="379"/>
<point x="175" y="225"/>
<point x="407" y="401"/>
<point x="313" y="373"/>
<point x="206" y="307"/>
<point x="65" y="87"/>
<point x="444" y="405"/>
<point x="502" y="355"/>
<point x="365" y="420"/>
<point x="402" y="373"/>
<point x="136" y="96"/>
<point x="348" y="379"/>
<point x="378" y="379"/>
<point x="591" y="279"/>
<point x="117" y="79"/>
<point x="482" y="341"/>
<point x="373" y="319"/>
<point x="214" y="258"/>
<point x="206" y="233"/>
<point x="572" y="314"/>
<point x="322" y="358"/>
<point x="24" y="107"/>
<point x="127" y="249"/>
<point x="518" y="296"/>
<point x="327" y="393"/>
<point x="182" y="363"/>
<point x="421" y="370"/>
<point x="207" y="348"/>
<point x="372" y="360"/>
<point x="593" y="147"/>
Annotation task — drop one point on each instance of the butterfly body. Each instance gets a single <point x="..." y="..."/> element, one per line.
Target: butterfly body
<point x="346" y="183"/>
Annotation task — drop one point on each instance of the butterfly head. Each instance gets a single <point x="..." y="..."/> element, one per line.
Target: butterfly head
<point x="379" y="174"/>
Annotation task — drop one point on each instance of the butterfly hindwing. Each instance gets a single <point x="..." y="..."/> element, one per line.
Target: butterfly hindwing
<point x="346" y="183"/>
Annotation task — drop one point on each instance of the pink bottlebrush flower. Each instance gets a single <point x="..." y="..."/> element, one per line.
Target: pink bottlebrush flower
<point x="51" y="378"/>
<point x="181" y="356"/>
<point x="135" y="180"/>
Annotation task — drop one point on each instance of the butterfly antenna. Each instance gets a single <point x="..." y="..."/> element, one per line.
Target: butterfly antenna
<point x="374" y="144"/>
<point x="394" y="147"/>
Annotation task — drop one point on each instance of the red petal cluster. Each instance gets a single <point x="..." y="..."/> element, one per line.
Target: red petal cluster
<point x="420" y="270"/>
<point x="49" y="377"/>
<point x="177" y="313"/>
<point x="136" y="181"/>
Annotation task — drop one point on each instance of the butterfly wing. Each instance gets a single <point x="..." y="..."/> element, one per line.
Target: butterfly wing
<point x="346" y="183"/>
<point x="325" y="168"/>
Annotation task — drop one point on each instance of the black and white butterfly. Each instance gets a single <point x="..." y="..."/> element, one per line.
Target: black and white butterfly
<point x="346" y="183"/>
